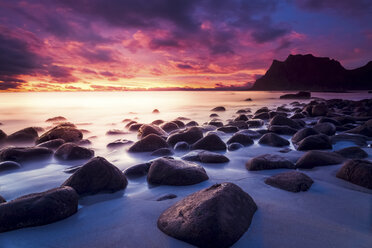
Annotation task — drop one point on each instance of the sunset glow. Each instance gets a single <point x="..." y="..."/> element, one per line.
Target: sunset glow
<point x="170" y="44"/>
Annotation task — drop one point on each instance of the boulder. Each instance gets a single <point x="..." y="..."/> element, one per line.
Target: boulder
<point x="319" y="110"/>
<point x="262" y="116"/>
<point x="214" y="217"/>
<point x="210" y="143"/>
<point x="38" y="209"/>
<point x="179" y="123"/>
<point x="135" y="127"/>
<point x="299" y="95"/>
<point x="119" y="143"/>
<point x="315" y="142"/>
<point x="284" y="121"/>
<point x="303" y="133"/>
<point x="137" y="170"/>
<point x="298" y="116"/>
<point x="239" y="124"/>
<point x="205" y="157"/>
<point x="292" y="181"/>
<point x="25" y="154"/>
<point x="285" y="130"/>
<point x="190" y="135"/>
<point x="64" y="131"/>
<point x="353" y="152"/>
<point x="155" y="111"/>
<point x="215" y="123"/>
<point x="167" y="171"/>
<point x="241" y="117"/>
<point x="262" y="110"/>
<point x="218" y="109"/>
<point x="145" y="130"/>
<point x="268" y="162"/>
<point x="192" y="124"/>
<point x="272" y="139"/>
<point x="149" y="143"/>
<point x="162" y="152"/>
<point x="95" y="176"/>
<point x="364" y="129"/>
<point x="357" y="171"/>
<point x="228" y="129"/>
<point x="26" y="135"/>
<point x="241" y="138"/>
<point x="56" y="119"/>
<point x="169" y="126"/>
<point x="330" y="120"/>
<point x="9" y="165"/>
<point x="181" y="146"/>
<point x="255" y="123"/>
<point x="313" y="159"/>
<point x="71" y="151"/>
<point x="52" y="144"/>
<point x="157" y="122"/>
<point x="234" y="146"/>
<point x="326" y="128"/>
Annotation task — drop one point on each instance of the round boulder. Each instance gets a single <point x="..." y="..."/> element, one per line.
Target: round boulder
<point x="241" y="138"/>
<point x="25" y="154"/>
<point x="353" y="152"/>
<point x="315" y="142"/>
<point x="190" y="135"/>
<point x="268" y="162"/>
<point x="52" y="144"/>
<point x="205" y="157"/>
<point x="66" y="132"/>
<point x="326" y="128"/>
<point x="272" y="139"/>
<point x="150" y="143"/>
<point x="169" y="126"/>
<point x="358" y="172"/>
<point x="26" y="135"/>
<point x="210" y="142"/>
<point x="292" y="181"/>
<point x="71" y="151"/>
<point x="312" y="159"/>
<point x="303" y="133"/>
<point x="9" y="165"/>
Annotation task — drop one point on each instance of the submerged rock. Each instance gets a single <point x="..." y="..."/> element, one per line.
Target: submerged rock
<point x="268" y="162"/>
<point x="64" y="131"/>
<point x="145" y="130"/>
<point x="353" y="152"/>
<point x="252" y="123"/>
<point x="150" y="143"/>
<point x="358" y="140"/>
<point x="234" y="146"/>
<point x="326" y="128"/>
<point x="303" y="133"/>
<point x="38" y="209"/>
<point x="292" y="181"/>
<point x="365" y="129"/>
<point x="241" y="138"/>
<point x="315" y="142"/>
<point x="252" y="134"/>
<point x="2" y="199"/>
<point x="162" y="152"/>
<point x="95" y="176"/>
<point x="218" y="109"/>
<point x="358" y="172"/>
<point x="214" y="217"/>
<point x="205" y="157"/>
<point x="25" y="154"/>
<point x="210" y="143"/>
<point x="272" y="139"/>
<point x="52" y="144"/>
<point x="119" y="143"/>
<point x="71" y="151"/>
<point x="9" y="165"/>
<point x="26" y="135"/>
<point x="115" y="132"/>
<point x="285" y="130"/>
<point x="56" y="119"/>
<point x="312" y="159"/>
<point x="182" y="146"/>
<point x="166" y="197"/>
<point x="190" y="135"/>
<point x="166" y="171"/>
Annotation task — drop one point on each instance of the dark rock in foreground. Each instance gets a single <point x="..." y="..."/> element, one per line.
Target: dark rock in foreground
<point x="38" y="209"/>
<point x="315" y="142"/>
<point x="292" y="181"/>
<point x="358" y="172"/>
<point x="303" y="133"/>
<point x="312" y="159"/>
<point x="268" y="162"/>
<point x="353" y="152"/>
<point x="166" y="171"/>
<point x="299" y="95"/>
<point x="97" y="175"/>
<point x="9" y="165"/>
<point x="241" y="138"/>
<point x="71" y="151"/>
<point x="25" y="154"/>
<point x="205" y="157"/>
<point x="272" y="139"/>
<point x="214" y="217"/>
<point x="150" y="143"/>
<point x="210" y="142"/>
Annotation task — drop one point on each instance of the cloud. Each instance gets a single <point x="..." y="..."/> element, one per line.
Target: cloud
<point x="184" y="66"/>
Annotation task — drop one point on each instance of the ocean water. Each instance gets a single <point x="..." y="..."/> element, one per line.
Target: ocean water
<point x="108" y="220"/>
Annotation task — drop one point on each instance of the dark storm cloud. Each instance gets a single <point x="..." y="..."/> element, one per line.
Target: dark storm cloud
<point x="97" y="55"/>
<point x="268" y="34"/>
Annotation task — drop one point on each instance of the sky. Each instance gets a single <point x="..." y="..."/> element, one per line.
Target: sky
<point x="115" y="45"/>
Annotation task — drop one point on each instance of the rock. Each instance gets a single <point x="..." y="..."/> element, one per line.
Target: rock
<point x="292" y="181"/>
<point x="262" y="110"/>
<point x="241" y="138"/>
<point x="9" y="165"/>
<point x="357" y="171"/>
<point x="312" y="159"/>
<point x="319" y="110"/>
<point x="2" y="199"/>
<point x="252" y="134"/>
<point x="138" y="170"/>
<point x="255" y="123"/>
<point x="145" y="130"/>
<point x="166" y="171"/>
<point x="365" y="129"/>
<point x="285" y="150"/>
<point x="315" y="142"/>
<point x="210" y="143"/>
<point x="2" y="136"/>
<point x="285" y="130"/>
<point x="71" y="151"/>
<point x="95" y="176"/>
<point x="179" y="123"/>
<point x="248" y="99"/>
<point x="284" y="121"/>
<point x="218" y="109"/>
<point x="262" y="116"/>
<point x="119" y="143"/>
<point x="192" y="124"/>
<point x="358" y="140"/>
<point x="182" y="146"/>
<point x="299" y="95"/>
<point x="272" y="114"/>
<point x="326" y="128"/>
<point x="214" y="217"/>
<point x="26" y="135"/>
<point x="169" y="126"/>
<point x="239" y="124"/>
<point x="149" y="143"/>
<point x="130" y="123"/>
<point x="303" y="133"/>
<point x="298" y="116"/>
<point x="353" y="152"/>
<point x="215" y="123"/>
<point x="228" y="129"/>
<point x="190" y="135"/>
<point x="268" y="162"/>
<point x="213" y="115"/>
<point x="166" y="197"/>
<point x="38" y="209"/>
<point x="234" y="146"/>
<point x="52" y="144"/>
<point x="241" y="117"/>
<point x="66" y="132"/>
<point x="25" y="154"/>
<point x="162" y="152"/>
<point x="157" y="122"/>
<point x="155" y="111"/>
<point x="205" y="157"/>
<point x="272" y="139"/>
<point x="330" y="120"/>
<point x="56" y="119"/>
<point x="115" y="132"/>
<point x="135" y="127"/>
